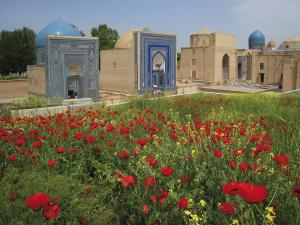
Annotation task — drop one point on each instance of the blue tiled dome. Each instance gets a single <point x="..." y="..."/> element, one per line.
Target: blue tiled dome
<point x="256" y="39"/>
<point x="57" y="27"/>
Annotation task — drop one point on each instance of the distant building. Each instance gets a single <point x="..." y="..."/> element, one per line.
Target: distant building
<point x="213" y="58"/>
<point x="141" y="61"/>
<point x="67" y="63"/>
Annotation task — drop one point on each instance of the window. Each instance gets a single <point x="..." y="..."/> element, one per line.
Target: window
<point x="261" y="66"/>
<point x="193" y="62"/>
<point x="114" y="65"/>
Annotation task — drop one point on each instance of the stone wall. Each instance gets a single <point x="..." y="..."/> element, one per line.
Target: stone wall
<point x="117" y="70"/>
<point x="13" y="88"/>
<point x="36" y="80"/>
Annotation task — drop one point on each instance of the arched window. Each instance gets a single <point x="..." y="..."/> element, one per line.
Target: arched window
<point x="225" y="67"/>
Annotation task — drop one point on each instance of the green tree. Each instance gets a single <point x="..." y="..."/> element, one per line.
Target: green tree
<point x="107" y="36"/>
<point x="17" y="50"/>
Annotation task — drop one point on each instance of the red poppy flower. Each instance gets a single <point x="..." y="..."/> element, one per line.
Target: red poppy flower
<point x="38" y="201"/>
<point x="142" y="142"/>
<point x="244" y="166"/>
<point x="254" y="193"/>
<point x="150" y="181"/>
<point x="12" y="158"/>
<point x="238" y="152"/>
<point x="164" y="194"/>
<point x="128" y="181"/>
<point x="227" y="208"/>
<point x="218" y="153"/>
<point x="59" y="149"/>
<point x="234" y="188"/>
<point x="118" y="174"/>
<point x="19" y="142"/>
<point x="174" y="137"/>
<point x="51" y="211"/>
<point x="110" y="128"/>
<point x="153" y="198"/>
<point x="296" y="191"/>
<point x="185" y="179"/>
<point x="167" y="171"/>
<point x="51" y="163"/>
<point x="146" y="209"/>
<point x="78" y="136"/>
<point x="232" y="164"/>
<point x="151" y="161"/>
<point x="182" y="203"/>
<point x="124" y="130"/>
<point x="281" y="159"/>
<point x="123" y="155"/>
<point x="37" y="144"/>
<point x="90" y="139"/>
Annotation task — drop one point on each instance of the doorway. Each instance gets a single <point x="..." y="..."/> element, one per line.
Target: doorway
<point x="262" y="78"/>
<point x="240" y="71"/>
<point x="158" y="70"/>
<point x="74" y="87"/>
<point x="194" y="75"/>
<point x="225" y="67"/>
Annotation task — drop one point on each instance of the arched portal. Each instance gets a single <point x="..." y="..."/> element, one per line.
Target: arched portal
<point x="158" y="70"/>
<point x="240" y="71"/>
<point x="225" y="67"/>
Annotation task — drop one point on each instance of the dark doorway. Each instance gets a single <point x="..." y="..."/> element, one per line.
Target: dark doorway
<point x="74" y="87"/>
<point x="240" y="71"/>
<point x="262" y="77"/>
<point x="281" y="82"/>
<point x="225" y="66"/>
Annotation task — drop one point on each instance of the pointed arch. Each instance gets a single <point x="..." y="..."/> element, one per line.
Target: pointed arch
<point x="225" y="67"/>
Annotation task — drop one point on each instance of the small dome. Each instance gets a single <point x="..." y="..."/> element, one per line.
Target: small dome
<point x="272" y="44"/>
<point x="257" y="40"/>
<point x="57" y="27"/>
<point x="126" y="40"/>
<point x="205" y="30"/>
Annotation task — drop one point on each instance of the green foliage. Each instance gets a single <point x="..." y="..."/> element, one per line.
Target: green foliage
<point x="17" y="50"/>
<point x="107" y="36"/>
<point x="13" y="77"/>
<point x="32" y="102"/>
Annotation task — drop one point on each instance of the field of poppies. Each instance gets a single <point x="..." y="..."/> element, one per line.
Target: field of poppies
<point x="200" y="159"/>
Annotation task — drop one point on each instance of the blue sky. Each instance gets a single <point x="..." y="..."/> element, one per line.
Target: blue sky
<point x="277" y="19"/>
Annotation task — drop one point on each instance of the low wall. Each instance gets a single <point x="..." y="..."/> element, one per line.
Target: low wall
<point x="13" y="88"/>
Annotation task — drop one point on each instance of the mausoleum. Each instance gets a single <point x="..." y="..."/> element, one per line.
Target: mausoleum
<point x="67" y="63"/>
<point x="141" y="60"/>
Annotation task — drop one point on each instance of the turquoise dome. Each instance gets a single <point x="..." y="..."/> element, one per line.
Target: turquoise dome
<point x="57" y="27"/>
<point x="256" y="40"/>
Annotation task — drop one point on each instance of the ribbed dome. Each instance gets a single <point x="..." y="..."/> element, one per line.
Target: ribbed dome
<point x="271" y="44"/>
<point x="256" y="40"/>
<point x="57" y="27"/>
